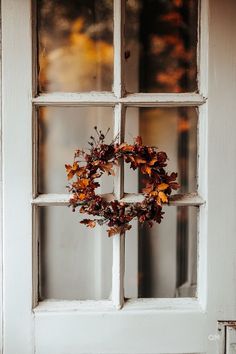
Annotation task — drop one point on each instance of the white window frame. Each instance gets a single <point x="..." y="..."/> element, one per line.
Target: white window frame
<point x="119" y="100"/>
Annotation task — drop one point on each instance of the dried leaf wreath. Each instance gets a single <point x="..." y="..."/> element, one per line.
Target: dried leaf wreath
<point x="88" y="167"/>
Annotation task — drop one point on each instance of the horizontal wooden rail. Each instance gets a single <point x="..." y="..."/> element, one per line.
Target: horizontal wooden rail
<point x="188" y="199"/>
<point x="108" y="98"/>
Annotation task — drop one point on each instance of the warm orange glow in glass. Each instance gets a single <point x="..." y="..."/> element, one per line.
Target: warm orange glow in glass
<point x="75" y="49"/>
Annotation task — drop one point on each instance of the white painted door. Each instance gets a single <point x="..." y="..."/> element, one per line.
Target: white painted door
<point x="95" y="321"/>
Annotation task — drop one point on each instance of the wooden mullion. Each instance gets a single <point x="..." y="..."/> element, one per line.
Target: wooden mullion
<point x="35" y="257"/>
<point x="119" y="61"/>
<point x="119" y="114"/>
<point x="118" y="240"/>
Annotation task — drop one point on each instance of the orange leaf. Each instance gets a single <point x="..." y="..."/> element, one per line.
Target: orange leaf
<point x="152" y="162"/>
<point x="163" y="197"/>
<point x="162" y="186"/>
<point x="139" y="160"/>
<point x="82" y="196"/>
<point x="158" y="200"/>
<point x="70" y="175"/>
<point x="146" y="170"/>
<point x="83" y="183"/>
<point x="68" y="167"/>
<point x="126" y="147"/>
<point x="75" y="166"/>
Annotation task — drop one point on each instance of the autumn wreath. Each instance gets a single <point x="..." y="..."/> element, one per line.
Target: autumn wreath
<point x="101" y="158"/>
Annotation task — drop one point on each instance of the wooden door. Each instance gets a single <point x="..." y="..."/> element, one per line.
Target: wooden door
<point x="113" y="324"/>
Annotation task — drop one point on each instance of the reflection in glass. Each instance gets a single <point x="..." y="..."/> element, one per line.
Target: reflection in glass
<point x="75" y="262"/>
<point x="165" y="257"/>
<point x="75" y="45"/>
<point x="161" y="45"/>
<point x="62" y="130"/>
<point x="161" y="261"/>
<point x="173" y="130"/>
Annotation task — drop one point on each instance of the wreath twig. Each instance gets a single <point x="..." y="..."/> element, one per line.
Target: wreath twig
<point x="101" y="158"/>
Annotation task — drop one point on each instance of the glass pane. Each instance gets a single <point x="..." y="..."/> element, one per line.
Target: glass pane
<point x="75" y="45"/>
<point x="173" y="130"/>
<point x="75" y="262"/>
<point x="161" y="45"/>
<point x="165" y="257"/>
<point x="62" y="130"/>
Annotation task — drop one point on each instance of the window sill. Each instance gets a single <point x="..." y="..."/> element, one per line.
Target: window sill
<point x="130" y="305"/>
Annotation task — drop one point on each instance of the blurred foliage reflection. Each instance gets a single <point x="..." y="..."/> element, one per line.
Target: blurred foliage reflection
<point x="75" y="40"/>
<point x="161" y="45"/>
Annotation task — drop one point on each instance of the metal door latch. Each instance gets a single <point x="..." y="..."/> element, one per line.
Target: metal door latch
<point x="227" y="332"/>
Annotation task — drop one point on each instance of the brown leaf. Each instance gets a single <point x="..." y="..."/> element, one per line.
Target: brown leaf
<point x="108" y="168"/>
<point x="118" y="230"/>
<point x="174" y="185"/>
<point x="78" y="153"/>
<point x="161" y="155"/>
<point x="173" y="176"/>
<point x="114" y="231"/>
<point x="82" y="210"/>
<point x="89" y="223"/>
<point x="138" y="140"/>
<point x="148" y="188"/>
<point x="142" y="218"/>
<point x="71" y="170"/>
<point x="80" y="171"/>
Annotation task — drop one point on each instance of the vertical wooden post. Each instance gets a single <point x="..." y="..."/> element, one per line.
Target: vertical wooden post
<point x="119" y="240"/>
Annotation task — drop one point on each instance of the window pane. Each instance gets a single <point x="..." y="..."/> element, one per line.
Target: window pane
<point x="173" y="130"/>
<point x="75" y="45"/>
<point x="62" y="130"/>
<point x="161" y="45"/>
<point x="75" y="262"/>
<point x="162" y="260"/>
